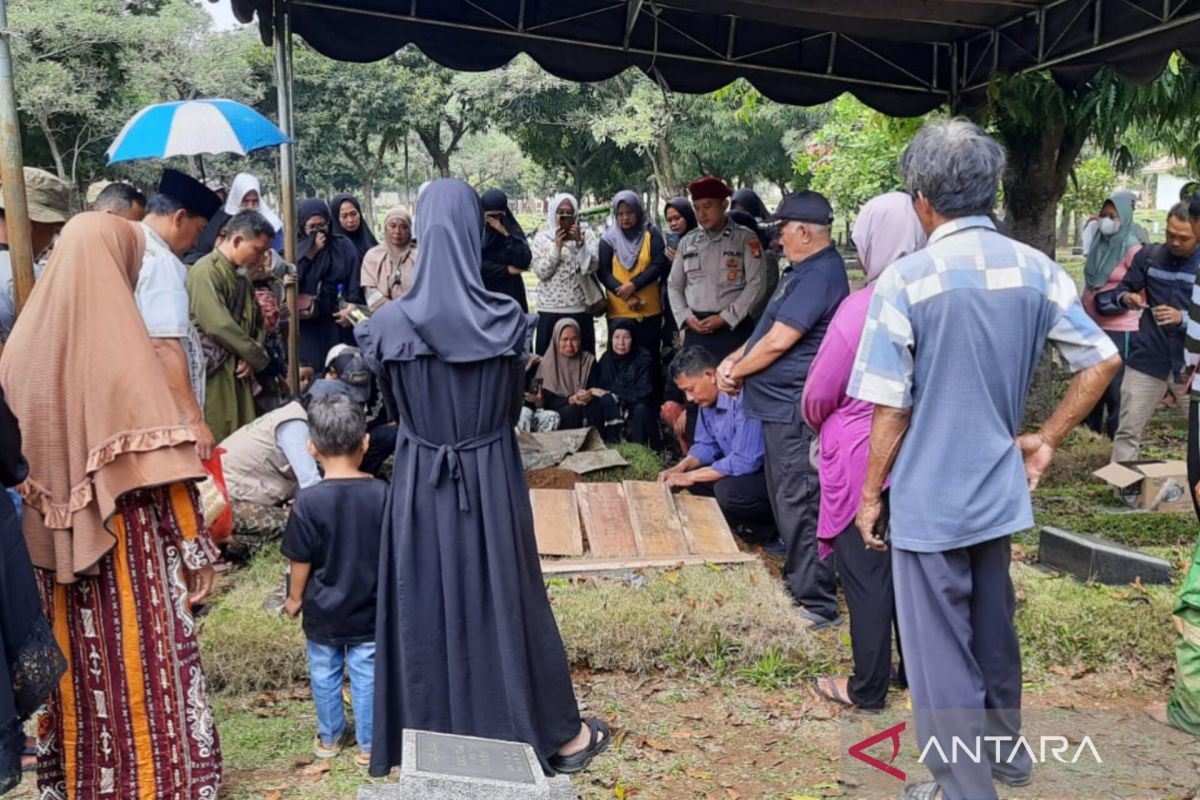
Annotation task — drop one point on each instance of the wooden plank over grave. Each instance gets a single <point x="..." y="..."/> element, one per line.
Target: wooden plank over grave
<point x="656" y="525"/>
<point x="556" y="522"/>
<point x="704" y="525"/>
<point x="606" y="520"/>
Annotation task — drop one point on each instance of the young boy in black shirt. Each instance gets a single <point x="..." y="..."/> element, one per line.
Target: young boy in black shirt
<point x="332" y="540"/>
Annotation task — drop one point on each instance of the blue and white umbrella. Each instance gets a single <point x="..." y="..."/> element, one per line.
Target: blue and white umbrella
<point x="192" y="128"/>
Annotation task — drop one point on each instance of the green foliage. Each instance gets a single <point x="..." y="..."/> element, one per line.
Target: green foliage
<point x="1092" y="181"/>
<point x="852" y="157"/>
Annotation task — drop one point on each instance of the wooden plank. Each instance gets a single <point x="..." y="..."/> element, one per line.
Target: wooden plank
<point x="606" y="520"/>
<point x="704" y="525"/>
<point x="556" y="522"/>
<point x="571" y="565"/>
<point x="655" y="521"/>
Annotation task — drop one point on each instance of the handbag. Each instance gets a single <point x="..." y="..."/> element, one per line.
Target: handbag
<point x="306" y="305"/>
<point x="595" y="296"/>
<point x="214" y="500"/>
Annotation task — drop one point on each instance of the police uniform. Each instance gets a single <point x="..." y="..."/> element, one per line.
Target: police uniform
<point x="721" y="274"/>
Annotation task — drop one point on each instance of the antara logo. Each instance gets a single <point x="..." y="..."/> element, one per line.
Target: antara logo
<point x="1056" y="747"/>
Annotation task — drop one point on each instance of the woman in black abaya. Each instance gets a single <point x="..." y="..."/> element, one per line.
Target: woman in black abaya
<point x="326" y="260"/>
<point x="506" y="253"/>
<point x="348" y="221"/>
<point x="466" y="642"/>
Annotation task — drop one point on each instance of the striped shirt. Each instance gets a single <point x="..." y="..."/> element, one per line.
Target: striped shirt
<point x="955" y="332"/>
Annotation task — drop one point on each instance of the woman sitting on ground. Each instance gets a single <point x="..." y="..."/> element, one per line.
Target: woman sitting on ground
<point x="567" y="386"/>
<point x="626" y="373"/>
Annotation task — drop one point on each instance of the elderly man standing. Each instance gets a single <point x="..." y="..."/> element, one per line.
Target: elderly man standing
<point x="717" y="277"/>
<point x="223" y="308"/>
<point x="774" y="365"/>
<point x="175" y="216"/>
<point x="49" y="201"/>
<point x="949" y="395"/>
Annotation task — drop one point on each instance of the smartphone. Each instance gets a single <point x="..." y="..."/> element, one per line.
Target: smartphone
<point x="672" y="240"/>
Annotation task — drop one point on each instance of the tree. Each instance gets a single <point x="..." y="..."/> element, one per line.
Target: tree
<point x="445" y="105"/>
<point x="852" y="157"/>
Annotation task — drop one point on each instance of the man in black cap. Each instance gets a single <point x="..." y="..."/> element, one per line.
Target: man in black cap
<point x="347" y="365"/>
<point x="174" y="218"/>
<point x="772" y="366"/>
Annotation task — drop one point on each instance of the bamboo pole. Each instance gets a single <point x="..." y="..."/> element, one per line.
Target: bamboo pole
<point x="287" y="178"/>
<point x="12" y="174"/>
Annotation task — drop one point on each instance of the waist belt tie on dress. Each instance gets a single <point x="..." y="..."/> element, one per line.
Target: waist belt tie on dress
<point x="447" y="455"/>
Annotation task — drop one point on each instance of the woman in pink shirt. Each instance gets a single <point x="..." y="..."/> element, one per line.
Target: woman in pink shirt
<point x="1111" y="253"/>
<point x="886" y="230"/>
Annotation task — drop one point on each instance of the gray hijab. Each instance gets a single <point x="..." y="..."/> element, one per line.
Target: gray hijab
<point x="627" y="244"/>
<point x="448" y="313"/>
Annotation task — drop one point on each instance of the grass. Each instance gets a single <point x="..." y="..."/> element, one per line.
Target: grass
<point x="644" y="465"/>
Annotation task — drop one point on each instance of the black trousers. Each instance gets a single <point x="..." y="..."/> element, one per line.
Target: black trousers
<point x="383" y="444"/>
<point x="722" y="342"/>
<point x="746" y="504"/>
<point x="545" y="330"/>
<point x="1110" y="401"/>
<point x="795" y="497"/>
<point x="866" y="577"/>
<point x="642" y="425"/>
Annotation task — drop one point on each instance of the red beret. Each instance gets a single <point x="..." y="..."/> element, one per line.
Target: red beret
<point x="709" y="187"/>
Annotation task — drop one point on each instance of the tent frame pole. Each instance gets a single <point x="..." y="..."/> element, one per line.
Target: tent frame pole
<point x="282" y="20"/>
<point x="12" y="173"/>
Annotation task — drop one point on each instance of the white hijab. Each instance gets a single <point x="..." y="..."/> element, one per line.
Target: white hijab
<point x="243" y="184"/>
<point x="552" y="212"/>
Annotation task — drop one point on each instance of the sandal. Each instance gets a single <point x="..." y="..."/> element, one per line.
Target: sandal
<point x="815" y="622"/>
<point x="828" y="688"/>
<point x="577" y="762"/>
<point x="923" y="791"/>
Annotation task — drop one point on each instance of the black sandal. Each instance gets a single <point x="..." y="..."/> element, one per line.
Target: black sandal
<point x="578" y="762"/>
<point x="923" y="791"/>
<point x="835" y="694"/>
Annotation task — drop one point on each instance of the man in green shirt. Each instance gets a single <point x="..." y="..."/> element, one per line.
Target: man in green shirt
<point x="223" y="308"/>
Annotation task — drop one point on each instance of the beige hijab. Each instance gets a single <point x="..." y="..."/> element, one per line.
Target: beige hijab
<point x="561" y="375"/>
<point x="97" y="419"/>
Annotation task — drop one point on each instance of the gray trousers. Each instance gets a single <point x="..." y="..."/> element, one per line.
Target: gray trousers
<point x="795" y="492"/>
<point x="1140" y="396"/>
<point x="963" y="661"/>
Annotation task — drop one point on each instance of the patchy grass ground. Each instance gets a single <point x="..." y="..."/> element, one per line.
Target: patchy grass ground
<point x="703" y="671"/>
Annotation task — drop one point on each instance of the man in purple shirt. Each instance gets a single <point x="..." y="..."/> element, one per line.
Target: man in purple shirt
<point x="726" y="458"/>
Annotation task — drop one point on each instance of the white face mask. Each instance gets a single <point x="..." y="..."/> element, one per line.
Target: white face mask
<point x="1109" y="226"/>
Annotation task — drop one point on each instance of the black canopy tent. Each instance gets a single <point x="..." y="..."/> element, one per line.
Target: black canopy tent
<point x="901" y="57"/>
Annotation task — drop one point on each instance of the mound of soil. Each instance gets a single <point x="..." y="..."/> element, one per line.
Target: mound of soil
<point x="552" y="478"/>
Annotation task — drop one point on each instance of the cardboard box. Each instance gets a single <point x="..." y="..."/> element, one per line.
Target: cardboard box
<point x="1150" y="485"/>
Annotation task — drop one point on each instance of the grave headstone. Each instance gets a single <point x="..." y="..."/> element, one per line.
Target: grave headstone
<point x="440" y="766"/>
<point x="1089" y="558"/>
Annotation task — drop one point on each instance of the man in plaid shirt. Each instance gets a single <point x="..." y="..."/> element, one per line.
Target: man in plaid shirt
<point x="951" y="343"/>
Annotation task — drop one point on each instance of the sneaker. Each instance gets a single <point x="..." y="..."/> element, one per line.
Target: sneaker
<point x="322" y="750"/>
<point x="362" y="759"/>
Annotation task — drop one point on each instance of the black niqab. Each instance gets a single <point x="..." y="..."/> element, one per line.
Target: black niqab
<point x="497" y="200"/>
<point x="362" y="239"/>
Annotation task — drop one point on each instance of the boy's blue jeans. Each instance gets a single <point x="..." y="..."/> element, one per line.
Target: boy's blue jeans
<point x="325" y="666"/>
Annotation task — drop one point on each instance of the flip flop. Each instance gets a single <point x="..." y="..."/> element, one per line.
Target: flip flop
<point x="597" y="743"/>
<point x="816" y="622"/>
<point x="834" y="694"/>
<point x="923" y="791"/>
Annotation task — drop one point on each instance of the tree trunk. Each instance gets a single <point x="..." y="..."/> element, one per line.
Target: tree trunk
<point x="1080" y="223"/>
<point x="368" y="200"/>
<point x="1064" y="227"/>
<point x="664" y="169"/>
<point x="59" y="165"/>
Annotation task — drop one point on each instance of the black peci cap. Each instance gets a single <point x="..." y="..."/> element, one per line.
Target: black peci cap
<point x="805" y="206"/>
<point x="193" y="195"/>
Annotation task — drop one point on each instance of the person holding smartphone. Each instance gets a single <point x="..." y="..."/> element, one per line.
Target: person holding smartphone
<point x="564" y="257"/>
<point x="506" y="253"/>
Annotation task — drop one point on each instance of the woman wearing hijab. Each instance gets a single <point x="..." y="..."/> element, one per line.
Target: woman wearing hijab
<point x="627" y="373"/>
<point x="506" y="253"/>
<point x="885" y="231"/>
<point x="244" y="193"/>
<point x="113" y="525"/>
<point x="348" y="221"/>
<point x="328" y="264"/>
<point x="564" y="257"/>
<point x="568" y="386"/>
<point x="387" y="268"/>
<point x="632" y="262"/>
<point x="30" y="660"/>
<point x="465" y="639"/>
<point x="1111" y="253"/>
<point x="681" y="218"/>
<point x="747" y="200"/>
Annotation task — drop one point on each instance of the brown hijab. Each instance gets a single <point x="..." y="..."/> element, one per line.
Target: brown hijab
<point x="561" y="375"/>
<point x="97" y="419"/>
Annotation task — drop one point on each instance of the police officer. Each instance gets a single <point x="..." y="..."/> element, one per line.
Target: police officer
<point x="717" y="277"/>
<point x="774" y="364"/>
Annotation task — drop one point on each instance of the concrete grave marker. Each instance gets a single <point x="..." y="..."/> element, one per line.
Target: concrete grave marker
<point x="439" y="766"/>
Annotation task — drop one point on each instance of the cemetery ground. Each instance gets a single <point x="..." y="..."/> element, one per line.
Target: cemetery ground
<point x="703" y="672"/>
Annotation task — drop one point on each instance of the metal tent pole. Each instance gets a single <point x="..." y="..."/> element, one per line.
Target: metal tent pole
<point x="287" y="177"/>
<point x="12" y="173"/>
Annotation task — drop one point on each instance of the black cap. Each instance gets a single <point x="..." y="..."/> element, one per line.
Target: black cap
<point x="352" y="371"/>
<point x="805" y="206"/>
<point x="325" y="387"/>
<point x="193" y="195"/>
